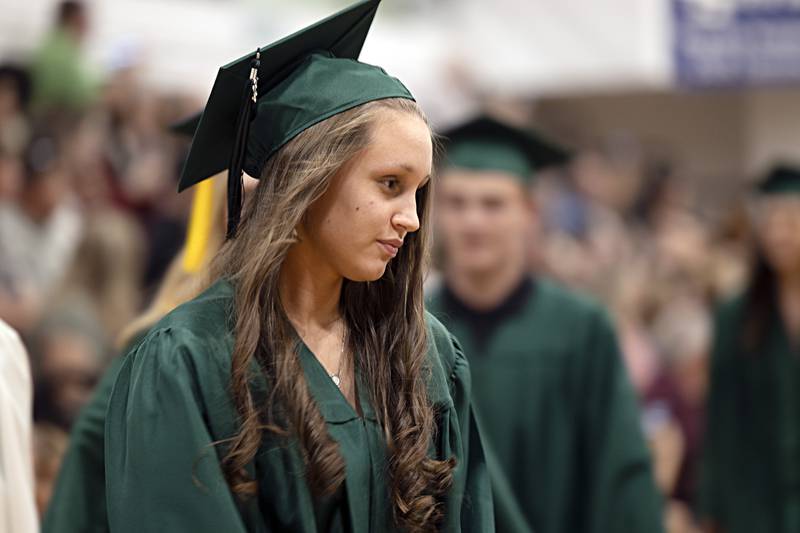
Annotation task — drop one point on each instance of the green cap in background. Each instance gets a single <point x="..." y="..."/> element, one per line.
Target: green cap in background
<point x="781" y="179"/>
<point x="486" y="144"/>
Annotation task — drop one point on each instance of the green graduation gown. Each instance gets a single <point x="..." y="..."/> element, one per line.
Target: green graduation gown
<point x="170" y="404"/>
<point x="557" y="409"/>
<point x="750" y="475"/>
<point x="78" y="503"/>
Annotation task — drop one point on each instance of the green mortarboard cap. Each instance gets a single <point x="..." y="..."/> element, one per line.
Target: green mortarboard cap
<point x="484" y="143"/>
<point x="201" y="218"/>
<point x="302" y="80"/>
<point x="782" y="179"/>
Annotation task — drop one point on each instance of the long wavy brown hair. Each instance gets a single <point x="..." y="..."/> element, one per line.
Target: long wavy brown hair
<point x="384" y="318"/>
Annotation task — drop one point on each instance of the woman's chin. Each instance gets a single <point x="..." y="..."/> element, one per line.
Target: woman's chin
<point x="372" y="272"/>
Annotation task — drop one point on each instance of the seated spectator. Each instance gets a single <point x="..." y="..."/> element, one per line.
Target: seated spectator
<point x="49" y="445"/>
<point x="68" y="354"/>
<point x="38" y="234"/>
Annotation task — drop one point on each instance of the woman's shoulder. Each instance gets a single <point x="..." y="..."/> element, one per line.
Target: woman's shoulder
<point x="206" y="314"/>
<point x="198" y="331"/>
<point x="449" y="365"/>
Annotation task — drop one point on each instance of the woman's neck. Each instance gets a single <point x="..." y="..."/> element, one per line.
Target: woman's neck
<point x="309" y="290"/>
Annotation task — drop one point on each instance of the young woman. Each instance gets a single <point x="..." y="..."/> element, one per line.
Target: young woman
<point x="306" y="389"/>
<point x="751" y="470"/>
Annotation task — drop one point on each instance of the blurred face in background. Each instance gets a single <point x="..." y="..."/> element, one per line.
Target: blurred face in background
<point x="49" y="446"/>
<point x="46" y="182"/>
<point x="44" y="192"/>
<point x="69" y="369"/>
<point x="483" y="219"/>
<point x="778" y="229"/>
<point x="11" y="173"/>
<point x="9" y="98"/>
<point x="74" y="17"/>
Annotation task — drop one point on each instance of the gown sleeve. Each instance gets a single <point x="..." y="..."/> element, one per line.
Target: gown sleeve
<point x="621" y="492"/>
<point x="718" y="408"/>
<point x="471" y="505"/>
<point x="78" y="503"/>
<point x="162" y="470"/>
<point x="498" y="508"/>
<point x="508" y="515"/>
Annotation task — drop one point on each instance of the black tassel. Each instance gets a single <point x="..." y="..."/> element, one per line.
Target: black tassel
<point x="235" y="177"/>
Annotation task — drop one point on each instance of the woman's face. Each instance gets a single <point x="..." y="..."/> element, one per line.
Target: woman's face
<point x="361" y="221"/>
<point x="778" y="221"/>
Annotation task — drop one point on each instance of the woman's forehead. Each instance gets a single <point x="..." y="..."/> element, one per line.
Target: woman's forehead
<point x="401" y="140"/>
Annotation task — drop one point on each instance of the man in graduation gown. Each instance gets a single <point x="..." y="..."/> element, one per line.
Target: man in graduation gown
<point x="549" y="386"/>
<point x="750" y="476"/>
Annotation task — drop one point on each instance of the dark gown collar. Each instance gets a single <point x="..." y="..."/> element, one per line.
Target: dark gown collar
<point x="483" y="324"/>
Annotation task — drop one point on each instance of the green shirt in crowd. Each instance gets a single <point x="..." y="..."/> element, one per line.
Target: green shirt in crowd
<point x="61" y="78"/>
<point x="78" y="503"/>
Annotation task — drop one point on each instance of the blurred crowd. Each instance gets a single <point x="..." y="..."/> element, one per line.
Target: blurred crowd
<point x="637" y="237"/>
<point x="89" y="218"/>
<point x="89" y="221"/>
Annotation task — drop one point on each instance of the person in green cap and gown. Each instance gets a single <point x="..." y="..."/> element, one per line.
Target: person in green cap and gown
<point x="549" y="386"/>
<point x="306" y="389"/>
<point x="78" y="502"/>
<point x="750" y="473"/>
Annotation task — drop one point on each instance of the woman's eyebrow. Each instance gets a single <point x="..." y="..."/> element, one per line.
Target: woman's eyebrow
<point x="411" y="170"/>
<point x="405" y="166"/>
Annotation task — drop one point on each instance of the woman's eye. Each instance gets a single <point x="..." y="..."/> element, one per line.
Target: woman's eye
<point x="390" y="183"/>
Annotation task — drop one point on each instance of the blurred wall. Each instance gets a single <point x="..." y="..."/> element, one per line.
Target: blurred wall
<point x="773" y="126"/>
<point x="714" y="136"/>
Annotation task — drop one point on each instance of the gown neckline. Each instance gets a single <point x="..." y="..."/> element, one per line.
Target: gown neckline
<point x="333" y="403"/>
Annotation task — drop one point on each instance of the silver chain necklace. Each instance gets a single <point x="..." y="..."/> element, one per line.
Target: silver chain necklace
<point x="335" y="377"/>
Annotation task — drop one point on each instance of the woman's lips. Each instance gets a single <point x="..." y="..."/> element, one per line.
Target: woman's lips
<point x="391" y="247"/>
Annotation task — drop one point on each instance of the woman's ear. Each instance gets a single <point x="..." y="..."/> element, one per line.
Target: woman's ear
<point x="301" y="229"/>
